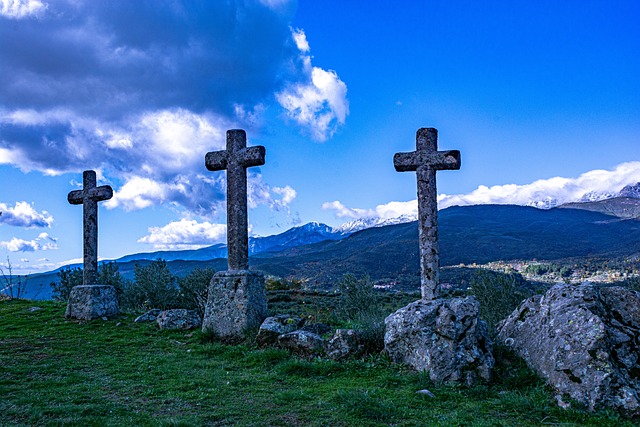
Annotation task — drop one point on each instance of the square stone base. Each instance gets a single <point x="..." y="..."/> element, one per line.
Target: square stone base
<point x="237" y="303"/>
<point x="87" y="302"/>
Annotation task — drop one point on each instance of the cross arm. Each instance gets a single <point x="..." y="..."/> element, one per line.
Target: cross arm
<point x="447" y="160"/>
<point x="406" y="162"/>
<point x="252" y="156"/>
<point x="75" y="197"/>
<point x="104" y="192"/>
<point x="216" y="160"/>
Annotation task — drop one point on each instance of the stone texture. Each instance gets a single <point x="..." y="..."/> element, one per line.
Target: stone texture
<point x="273" y="327"/>
<point x="444" y="337"/>
<point x="302" y="342"/>
<point x="237" y="303"/>
<point x="317" y="328"/>
<point x="425" y="161"/>
<point x="236" y="159"/>
<point x="149" y="316"/>
<point x="87" y="302"/>
<point x="344" y="344"/>
<point x="89" y="197"/>
<point x="179" y="318"/>
<point x="584" y="340"/>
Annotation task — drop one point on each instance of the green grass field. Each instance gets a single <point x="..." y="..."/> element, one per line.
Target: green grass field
<point x="59" y="372"/>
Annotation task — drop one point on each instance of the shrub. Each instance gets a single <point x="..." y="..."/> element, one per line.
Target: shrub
<point x="154" y="287"/>
<point x="108" y="274"/>
<point x="273" y="283"/>
<point x="12" y="286"/>
<point x="498" y="294"/>
<point x="361" y="308"/>
<point x="194" y="289"/>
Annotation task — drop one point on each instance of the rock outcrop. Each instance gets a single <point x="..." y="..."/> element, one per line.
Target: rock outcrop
<point x="584" y="340"/>
<point x="444" y="337"/>
<point x="302" y="342"/>
<point x="345" y="343"/>
<point x="273" y="327"/>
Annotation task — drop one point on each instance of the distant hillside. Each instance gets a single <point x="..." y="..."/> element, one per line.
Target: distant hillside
<point x="622" y="207"/>
<point x="468" y="234"/>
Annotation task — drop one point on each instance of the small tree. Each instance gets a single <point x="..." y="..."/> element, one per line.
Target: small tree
<point x="12" y="286"/>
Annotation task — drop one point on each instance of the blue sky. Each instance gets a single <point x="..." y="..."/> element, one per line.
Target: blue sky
<point x="541" y="98"/>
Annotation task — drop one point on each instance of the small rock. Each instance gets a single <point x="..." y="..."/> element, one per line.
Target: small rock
<point x="273" y="327"/>
<point x="561" y="403"/>
<point x="344" y="344"/>
<point x="302" y="342"/>
<point x="425" y="392"/>
<point x="179" y="318"/>
<point x="32" y="309"/>
<point x="317" y="328"/>
<point x="149" y="316"/>
<point x="119" y="324"/>
<point x="104" y="318"/>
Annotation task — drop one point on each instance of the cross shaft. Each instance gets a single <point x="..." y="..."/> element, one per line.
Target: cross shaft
<point x="236" y="159"/>
<point x="425" y="161"/>
<point x="89" y="197"/>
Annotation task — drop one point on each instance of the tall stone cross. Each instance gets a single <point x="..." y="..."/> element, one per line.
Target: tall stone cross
<point x="89" y="197"/>
<point x="425" y="161"/>
<point x="236" y="159"/>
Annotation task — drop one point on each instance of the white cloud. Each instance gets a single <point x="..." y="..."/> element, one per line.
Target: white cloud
<point x="288" y="194"/>
<point x="185" y="234"/>
<point x="320" y="102"/>
<point x="19" y="9"/>
<point x="20" y="245"/>
<point x="556" y="190"/>
<point x="24" y="215"/>
<point x="552" y="191"/>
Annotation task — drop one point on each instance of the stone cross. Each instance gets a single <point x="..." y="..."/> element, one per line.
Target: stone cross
<point x="236" y="159"/>
<point x="89" y="197"/>
<point x="425" y="161"/>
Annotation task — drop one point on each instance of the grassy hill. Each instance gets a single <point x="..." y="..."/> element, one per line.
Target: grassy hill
<point x="59" y="372"/>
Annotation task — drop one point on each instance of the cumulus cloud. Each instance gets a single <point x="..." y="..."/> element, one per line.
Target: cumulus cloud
<point x="542" y="193"/>
<point x="43" y="242"/>
<point x="141" y="90"/>
<point x="319" y="103"/>
<point x="185" y="234"/>
<point x="19" y="9"/>
<point x="24" y="215"/>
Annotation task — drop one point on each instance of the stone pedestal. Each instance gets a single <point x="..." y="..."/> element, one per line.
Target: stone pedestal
<point x="87" y="302"/>
<point x="444" y="337"/>
<point x="237" y="303"/>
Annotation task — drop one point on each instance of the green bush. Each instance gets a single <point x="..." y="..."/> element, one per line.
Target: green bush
<point x="360" y="307"/>
<point x="273" y="283"/>
<point x="154" y="287"/>
<point x="194" y="288"/>
<point x="499" y="294"/>
<point x="108" y="274"/>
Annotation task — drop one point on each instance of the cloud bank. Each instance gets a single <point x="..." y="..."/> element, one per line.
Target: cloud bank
<point x="43" y="242"/>
<point x="185" y="234"/>
<point x="141" y="90"/>
<point x="542" y="193"/>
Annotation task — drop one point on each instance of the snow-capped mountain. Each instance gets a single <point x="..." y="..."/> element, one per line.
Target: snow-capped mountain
<point x="632" y="191"/>
<point x="370" y="222"/>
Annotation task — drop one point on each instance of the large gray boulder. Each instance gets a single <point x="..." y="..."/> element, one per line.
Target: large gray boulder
<point x="178" y="319"/>
<point x="87" y="302"/>
<point x="584" y="341"/>
<point x="444" y="337"/>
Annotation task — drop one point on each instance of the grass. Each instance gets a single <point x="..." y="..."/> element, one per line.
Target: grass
<point x="59" y="372"/>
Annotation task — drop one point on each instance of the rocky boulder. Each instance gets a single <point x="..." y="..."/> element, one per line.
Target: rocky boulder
<point x="302" y="342"/>
<point x="179" y="318"/>
<point x="273" y="327"/>
<point x="444" y="337"/>
<point x="584" y="340"/>
<point x="344" y="344"/>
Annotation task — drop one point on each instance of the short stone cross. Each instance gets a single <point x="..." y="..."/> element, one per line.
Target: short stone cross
<point x="236" y="159"/>
<point x="425" y="161"/>
<point x="89" y="197"/>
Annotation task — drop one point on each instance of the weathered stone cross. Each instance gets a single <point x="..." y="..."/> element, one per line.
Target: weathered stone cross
<point x="89" y="197"/>
<point x="426" y="160"/>
<point x="236" y="159"/>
